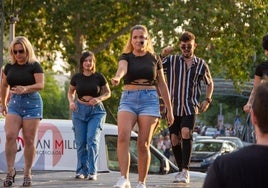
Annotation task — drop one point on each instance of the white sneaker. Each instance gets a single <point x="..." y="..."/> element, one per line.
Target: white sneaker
<point x="185" y="176"/>
<point x="178" y="177"/>
<point x="140" y="185"/>
<point x="80" y="176"/>
<point x="122" y="183"/>
<point x="92" y="177"/>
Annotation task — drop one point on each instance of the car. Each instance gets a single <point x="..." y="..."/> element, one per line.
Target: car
<point x="211" y="131"/>
<point x="204" y="152"/>
<point x="56" y="149"/>
<point x="234" y="139"/>
<point x="199" y="137"/>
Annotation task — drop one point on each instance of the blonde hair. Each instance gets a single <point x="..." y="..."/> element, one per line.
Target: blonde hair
<point x="149" y="46"/>
<point x="27" y="46"/>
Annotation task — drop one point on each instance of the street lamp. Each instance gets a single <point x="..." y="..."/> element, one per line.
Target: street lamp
<point x="13" y="19"/>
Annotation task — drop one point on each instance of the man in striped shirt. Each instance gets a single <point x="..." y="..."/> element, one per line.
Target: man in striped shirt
<point x="184" y="73"/>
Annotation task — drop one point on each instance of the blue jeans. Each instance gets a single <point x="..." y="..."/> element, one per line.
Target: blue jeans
<point x="87" y="126"/>
<point x="140" y="102"/>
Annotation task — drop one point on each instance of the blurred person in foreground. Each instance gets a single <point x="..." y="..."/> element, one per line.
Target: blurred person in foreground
<point x="247" y="167"/>
<point x="184" y="73"/>
<point x="88" y="114"/>
<point x="22" y="79"/>
<point x="143" y="76"/>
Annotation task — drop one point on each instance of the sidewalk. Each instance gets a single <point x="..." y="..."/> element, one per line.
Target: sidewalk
<point x="65" y="179"/>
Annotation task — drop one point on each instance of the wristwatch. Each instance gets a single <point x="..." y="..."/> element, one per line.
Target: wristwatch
<point x="209" y="100"/>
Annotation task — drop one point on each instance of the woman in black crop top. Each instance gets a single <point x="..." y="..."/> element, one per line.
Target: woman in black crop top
<point x="88" y="114"/>
<point x="21" y="81"/>
<point x="143" y="75"/>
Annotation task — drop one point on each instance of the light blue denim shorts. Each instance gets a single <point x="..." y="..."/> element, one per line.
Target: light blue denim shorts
<point x="27" y="106"/>
<point x="140" y="102"/>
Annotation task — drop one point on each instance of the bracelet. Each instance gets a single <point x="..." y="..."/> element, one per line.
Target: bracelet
<point x="209" y="100"/>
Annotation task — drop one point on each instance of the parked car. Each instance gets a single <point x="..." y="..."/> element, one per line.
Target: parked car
<point x="236" y="140"/>
<point x="204" y="152"/>
<point x="56" y="149"/>
<point x="198" y="137"/>
<point x="211" y="131"/>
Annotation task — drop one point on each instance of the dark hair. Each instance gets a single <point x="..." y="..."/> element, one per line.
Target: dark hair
<point x="265" y="42"/>
<point x="187" y="36"/>
<point x="82" y="59"/>
<point x="260" y="106"/>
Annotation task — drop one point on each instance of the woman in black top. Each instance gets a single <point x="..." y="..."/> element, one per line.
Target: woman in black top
<point x="88" y="114"/>
<point x="23" y="77"/>
<point x="261" y="73"/>
<point x="143" y="74"/>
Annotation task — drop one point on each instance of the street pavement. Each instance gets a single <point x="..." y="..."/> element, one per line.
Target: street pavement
<point x="65" y="179"/>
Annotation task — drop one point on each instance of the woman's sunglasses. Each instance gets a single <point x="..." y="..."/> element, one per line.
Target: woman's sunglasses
<point x="18" y="51"/>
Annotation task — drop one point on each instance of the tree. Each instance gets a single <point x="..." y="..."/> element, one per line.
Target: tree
<point x="228" y="32"/>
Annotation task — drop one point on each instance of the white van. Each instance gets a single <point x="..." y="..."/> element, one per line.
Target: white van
<point x="56" y="150"/>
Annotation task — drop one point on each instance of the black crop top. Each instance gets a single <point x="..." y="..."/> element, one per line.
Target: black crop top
<point x="22" y="74"/>
<point x="88" y="85"/>
<point x="262" y="70"/>
<point x="141" y="67"/>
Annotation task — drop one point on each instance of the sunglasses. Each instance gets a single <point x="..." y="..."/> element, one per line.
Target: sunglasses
<point x="18" y="51"/>
<point x="186" y="47"/>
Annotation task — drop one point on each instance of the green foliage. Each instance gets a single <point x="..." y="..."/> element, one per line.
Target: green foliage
<point x="54" y="99"/>
<point x="228" y="33"/>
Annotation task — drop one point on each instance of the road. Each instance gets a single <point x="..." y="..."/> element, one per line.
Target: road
<point x="65" y="179"/>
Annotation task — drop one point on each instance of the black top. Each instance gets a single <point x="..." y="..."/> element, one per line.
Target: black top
<point x="141" y="67"/>
<point x="88" y="85"/>
<point x="22" y="74"/>
<point x="262" y="70"/>
<point x="185" y="84"/>
<point x="245" y="168"/>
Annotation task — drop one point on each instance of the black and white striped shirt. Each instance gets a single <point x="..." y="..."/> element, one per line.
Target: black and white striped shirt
<point x="185" y="85"/>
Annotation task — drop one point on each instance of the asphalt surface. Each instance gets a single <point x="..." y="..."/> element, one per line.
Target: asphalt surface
<point x="65" y="179"/>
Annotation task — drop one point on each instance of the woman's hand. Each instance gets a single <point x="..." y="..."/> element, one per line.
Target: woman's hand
<point x="115" y="81"/>
<point x="18" y="89"/>
<point x="247" y="108"/>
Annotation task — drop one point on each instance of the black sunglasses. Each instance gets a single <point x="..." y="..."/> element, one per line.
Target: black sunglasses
<point x="186" y="47"/>
<point x="18" y="51"/>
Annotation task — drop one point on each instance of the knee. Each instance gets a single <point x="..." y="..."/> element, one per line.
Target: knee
<point x="175" y="139"/>
<point x="143" y="147"/>
<point x="11" y="137"/>
<point x="29" y="142"/>
<point x="186" y="133"/>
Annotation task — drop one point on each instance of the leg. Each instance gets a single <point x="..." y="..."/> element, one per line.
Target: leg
<point x="12" y="128"/>
<point x="93" y="140"/>
<point x="175" y="138"/>
<point x="186" y="132"/>
<point x="147" y="126"/>
<point x="80" y="133"/>
<point x="126" y="121"/>
<point x="29" y="129"/>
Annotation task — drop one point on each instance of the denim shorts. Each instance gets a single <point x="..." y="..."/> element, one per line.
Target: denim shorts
<point x="140" y="102"/>
<point x="27" y="106"/>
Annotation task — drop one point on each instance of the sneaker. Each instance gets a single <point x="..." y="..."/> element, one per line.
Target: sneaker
<point x="80" y="176"/>
<point x="92" y="177"/>
<point x="122" y="183"/>
<point x="178" y="177"/>
<point x="185" y="176"/>
<point x="141" y="185"/>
